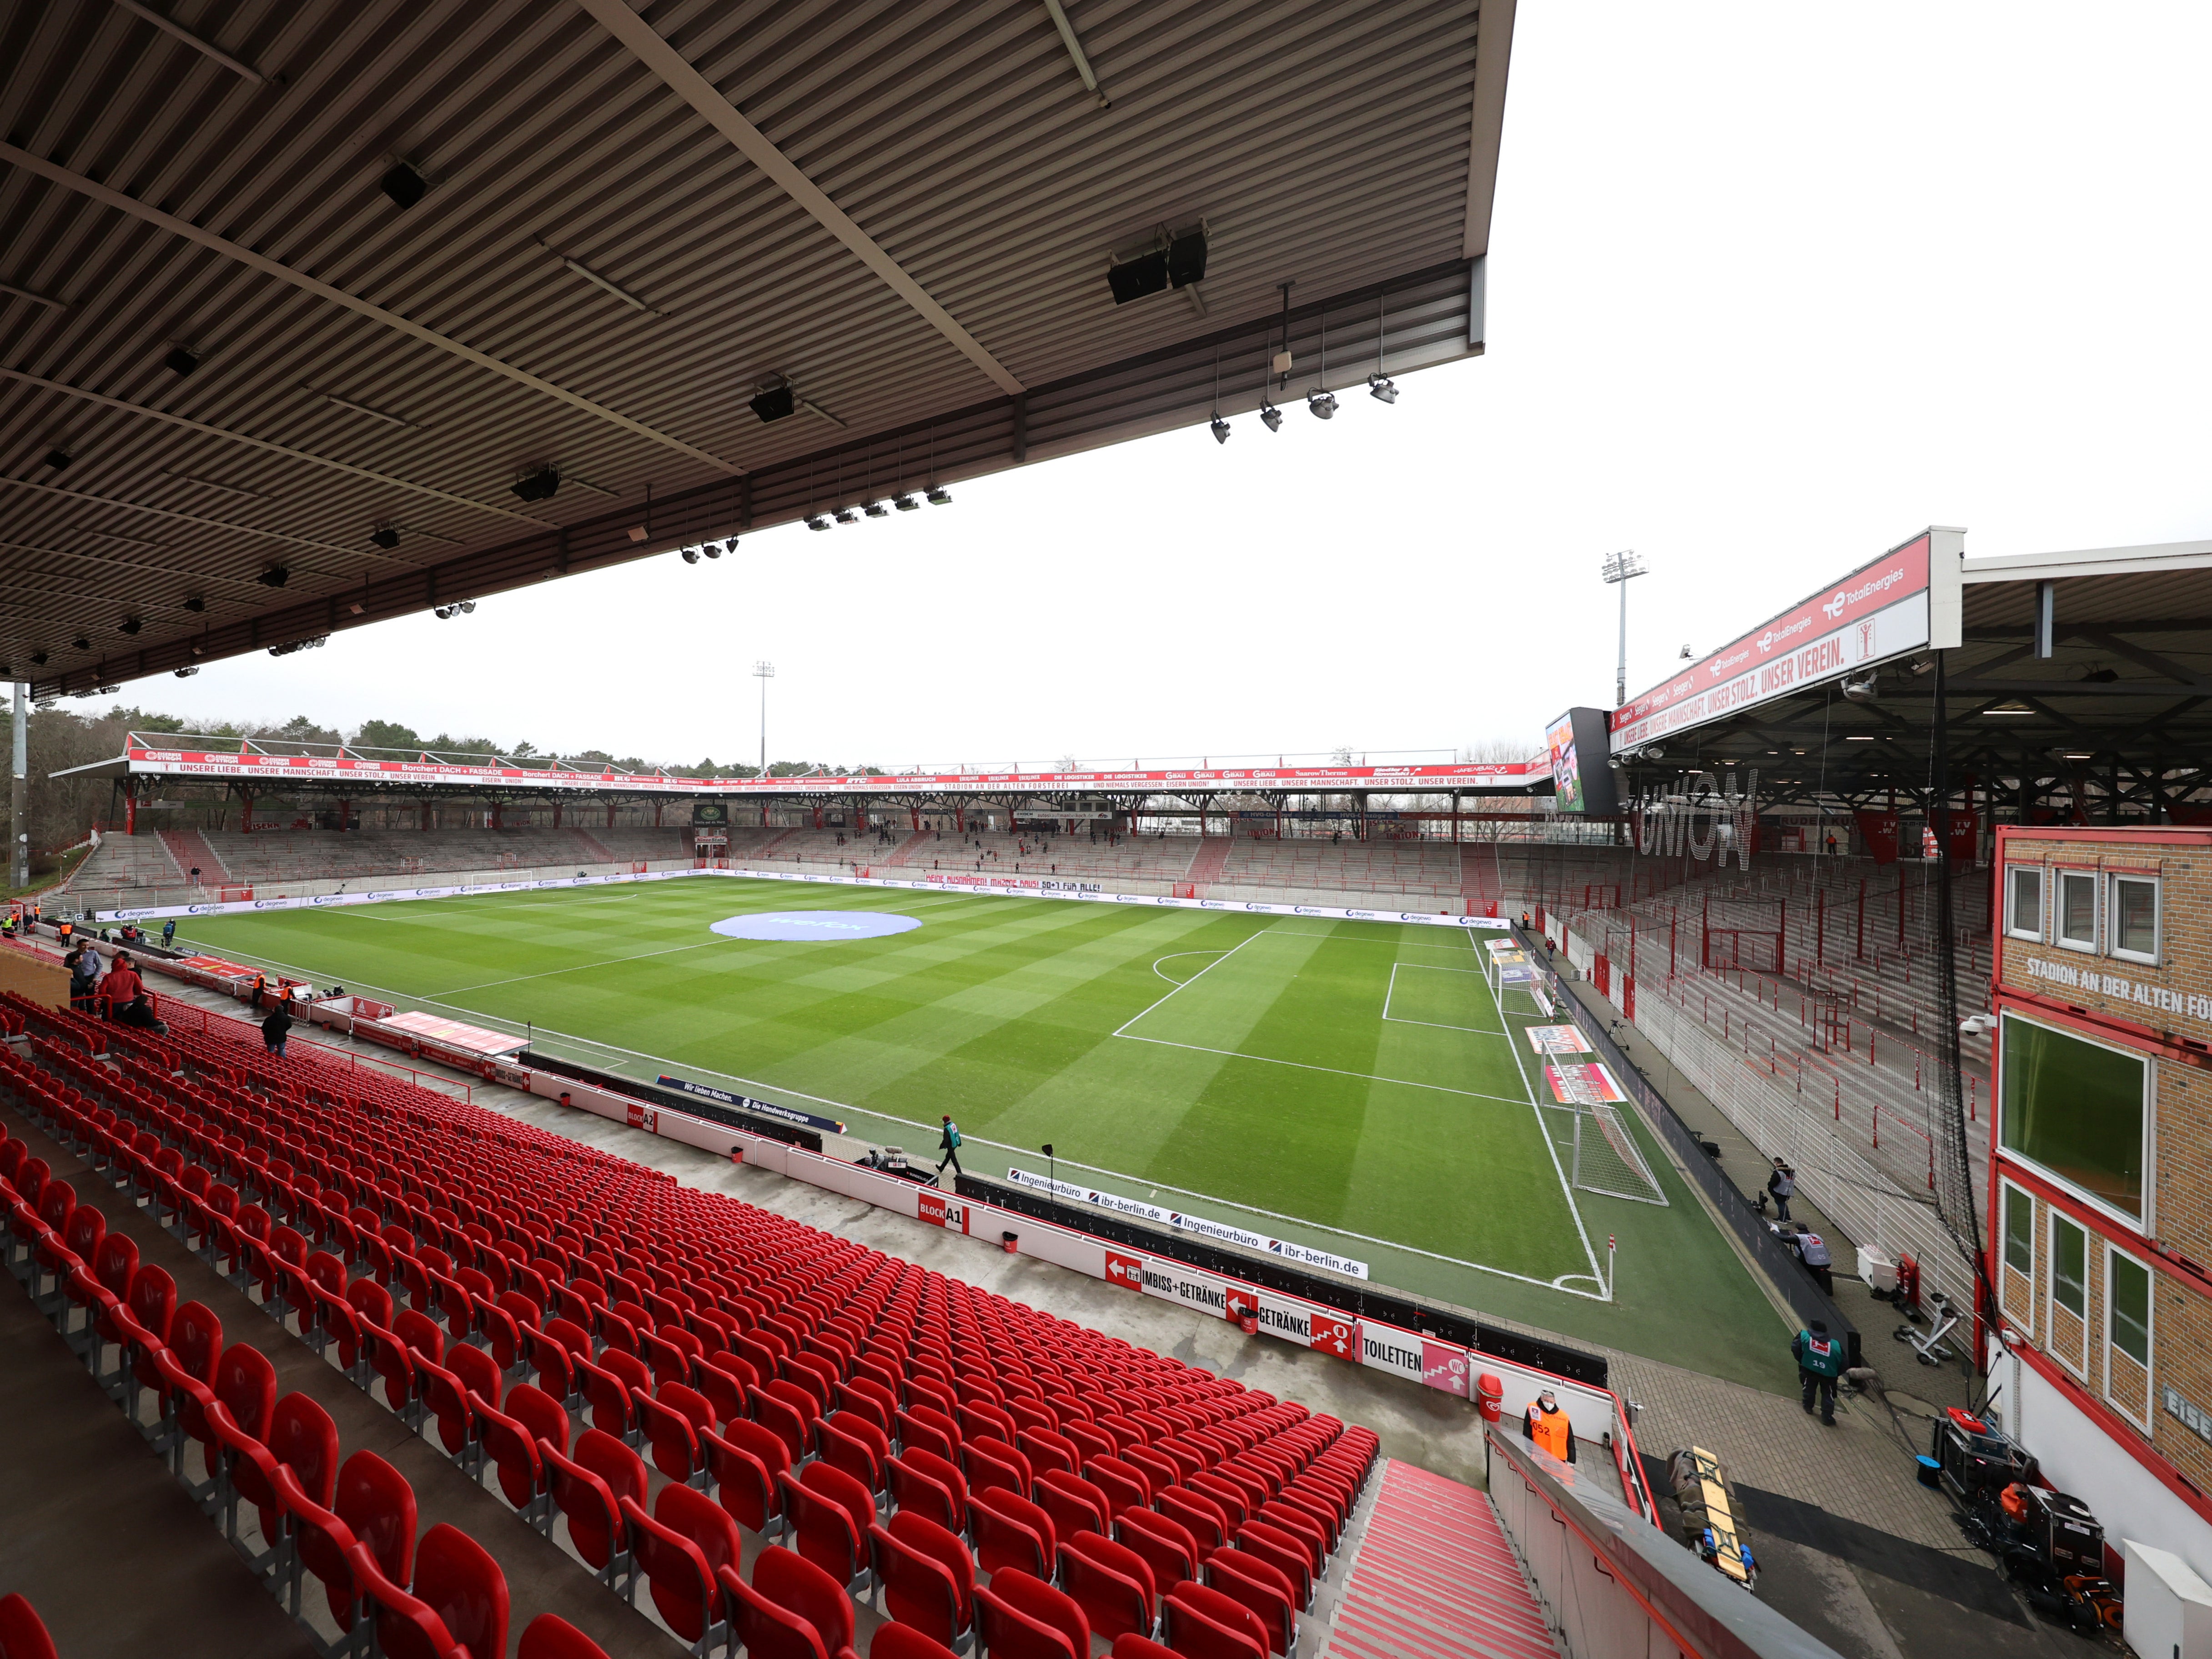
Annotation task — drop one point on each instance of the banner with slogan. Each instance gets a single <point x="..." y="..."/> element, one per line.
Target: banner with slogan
<point x="1557" y="1039"/>
<point x="1879" y="831"/>
<point x="758" y="1107"/>
<point x="1183" y="1221"/>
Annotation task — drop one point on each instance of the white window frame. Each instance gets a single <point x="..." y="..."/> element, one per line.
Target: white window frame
<point x="2078" y="1365"/>
<point x="2060" y="877"/>
<point x="2157" y="915"/>
<point x="2143" y="1223"/>
<point x="2150" y="1331"/>
<point x="2012" y="873"/>
<point x="2007" y="1191"/>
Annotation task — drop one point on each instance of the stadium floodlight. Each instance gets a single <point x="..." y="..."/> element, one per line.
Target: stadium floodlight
<point x="1323" y="402"/>
<point x="185" y="673"/>
<point x="691" y="555"/>
<point x="1382" y="388"/>
<point x="845" y="515"/>
<point x="1272" y="415"/>
<point x="763" y="671"/>
<point x="939" y="495"/>
<point x="1865" y="689"/>
<point x="711" y="550"/>
<point x="878" y="509"/>
<point x="818" y="522"/>
<point x="730" y="545"/>
<point x="1220" y="430"/>
<point x="1620" y="569"/>
<point x="905" y="502"/>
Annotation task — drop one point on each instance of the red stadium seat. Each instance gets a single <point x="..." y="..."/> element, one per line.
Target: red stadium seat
<point x="930" y="1486"/>
<point x="549" y="1637"/>
<point x="791" y="1609"/>
<point x="680" y="1548"/>
<point x="905" y="1642"/>
<point x="1112" y="1585"/>
<point x="1165" y="1546"/>
<point x="1036" y="1608"/>
<point x="587" y="1488"/>
<point x="1204" y="1624"/>
<point x="1252" y="1584"/>
<point x="1012" y="1534"/>
<point x="830" y="1513"/>
<point x="22" y="1632"/>
<point x="746" y="1461"/>
<point x="928" y="1578"/>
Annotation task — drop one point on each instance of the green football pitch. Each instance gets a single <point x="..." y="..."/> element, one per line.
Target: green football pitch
<point x="1356" y="1087"/>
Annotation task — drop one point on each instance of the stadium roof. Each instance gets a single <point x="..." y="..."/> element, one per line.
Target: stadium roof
<point x="232" y="347"/>
<point x="283" y="767"/>
<point x="2084" y="674"/>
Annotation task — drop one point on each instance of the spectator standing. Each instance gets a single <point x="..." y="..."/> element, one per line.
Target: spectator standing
<point x="84" y="965"/>
<point x="1783" y="1185"/>
<point x="274" y="1028"/>
<point x="948" y="1143"/>
<point x="168" y="933"/>
<point x="1819" y="1362"/>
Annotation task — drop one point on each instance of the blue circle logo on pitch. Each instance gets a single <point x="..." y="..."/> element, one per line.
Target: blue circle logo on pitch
<point x="822" y="927"/>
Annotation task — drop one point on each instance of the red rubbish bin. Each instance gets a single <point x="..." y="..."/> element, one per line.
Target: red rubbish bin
<point x="1013" y="1242"/>
<point x="1489" y="1397"/>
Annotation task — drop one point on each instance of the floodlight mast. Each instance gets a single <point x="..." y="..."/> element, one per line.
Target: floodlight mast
<point x="763" y="671"/>
<point x="1620" y="569"/>
<point x="19" y="792"/>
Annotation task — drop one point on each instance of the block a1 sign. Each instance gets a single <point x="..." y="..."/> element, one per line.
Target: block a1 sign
<point x="939" y="1210"/>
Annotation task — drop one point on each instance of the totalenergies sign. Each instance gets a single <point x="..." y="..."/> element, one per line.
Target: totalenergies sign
<point x="1879" y="611"/>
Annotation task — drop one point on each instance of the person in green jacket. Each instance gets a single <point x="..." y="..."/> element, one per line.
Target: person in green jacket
<point x="1819" y="1362"/>
<point x="948" y="1143"/>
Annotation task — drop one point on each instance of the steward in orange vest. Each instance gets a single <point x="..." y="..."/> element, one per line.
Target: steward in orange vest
<point x="1547" y="1426"/>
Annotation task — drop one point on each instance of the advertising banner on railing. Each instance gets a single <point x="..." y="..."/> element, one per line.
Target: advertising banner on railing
<point x="1878" y="611"/>
<point x="1069" y="890"/>
<point x="747" y="1104"/>
<point x="1183" y="1221"/>
<point x="277" y="771"/>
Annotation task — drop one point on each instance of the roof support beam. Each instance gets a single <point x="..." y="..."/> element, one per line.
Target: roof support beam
<point x="1493" y="46"/>
<point x="108" y="197"/>
<point x="107" y="402"/>
<point x="620" y="20"/>
<point x="194" y="517"/>
<point x="236" y="66"/>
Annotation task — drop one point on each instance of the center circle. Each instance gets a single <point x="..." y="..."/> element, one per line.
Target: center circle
<point x="822" y="927"/>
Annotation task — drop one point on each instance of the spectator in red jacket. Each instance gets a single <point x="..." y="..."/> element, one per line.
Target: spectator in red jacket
<point x="122" y="985"/>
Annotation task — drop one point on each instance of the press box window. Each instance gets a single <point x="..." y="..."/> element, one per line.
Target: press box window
<point x="2020" y="1232"/>
<point x="2130" y="1296"/>
<point x="2076" y="1109"/>
<point x="2026" y="893"/>
<point x="2077" y="909"/>
<point x="2135" y="918"/>
<point x="2070" y="1267"/>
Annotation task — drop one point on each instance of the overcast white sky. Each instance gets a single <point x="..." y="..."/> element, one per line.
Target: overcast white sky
<point x="1772" y="288"/>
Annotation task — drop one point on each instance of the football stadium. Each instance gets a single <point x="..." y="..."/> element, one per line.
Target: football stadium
<point x="1711" y="1168"/>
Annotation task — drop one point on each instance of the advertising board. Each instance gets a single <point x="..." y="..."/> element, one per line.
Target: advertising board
<point x="1576" y="746"/>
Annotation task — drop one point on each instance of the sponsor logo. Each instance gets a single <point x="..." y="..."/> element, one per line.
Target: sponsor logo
<point x="1361" y="915"/>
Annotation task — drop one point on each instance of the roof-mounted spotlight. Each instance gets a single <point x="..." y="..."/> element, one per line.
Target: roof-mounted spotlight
<point x="730" y="545"/>
<point x="1220" y="428"/>
<point x="710" y="549"/>
<point x="37" y="659"/>
<point x="186" y="673"/>
<point x="461" y="608"/>
<point x="403" y="183"/>
<point x="195" y="604"/>
<point x="773" y="400"/>
<point x="58" y="459"/>
<point x="1382" y="388"/>
<point x="81" y="643"/>
<point x="691" y="555"/>
<point x="538" y="485"/>
<point x="181" y="360"/>
<point x="2100" y="676"/>
<point x="1271" y="417"/>
<point x="878" y="509"/>
<point x="131" y="625"/>
<point x="939" y="495"/>
<point x="386" y="535"/>
<point x="905" y="502"/>
<point x="1865" y="689"/>
<point x="275" y="576"/>
<point x="815" y="521"/>
<point x="845" y="515"/>
<point x="1323" y="402"/>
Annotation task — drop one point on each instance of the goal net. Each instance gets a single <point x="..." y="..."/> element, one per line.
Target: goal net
<point x="1607" y="1159"/>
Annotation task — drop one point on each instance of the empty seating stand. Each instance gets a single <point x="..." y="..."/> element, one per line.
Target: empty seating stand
<point x="646" y="1373"/>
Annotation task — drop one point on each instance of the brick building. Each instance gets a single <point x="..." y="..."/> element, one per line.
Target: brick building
<point x="2099" y="1234"/>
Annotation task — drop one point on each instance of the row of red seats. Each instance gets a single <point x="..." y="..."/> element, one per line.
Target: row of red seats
<point x="980" y="1421"/>
<point x="351" y="1524"/>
